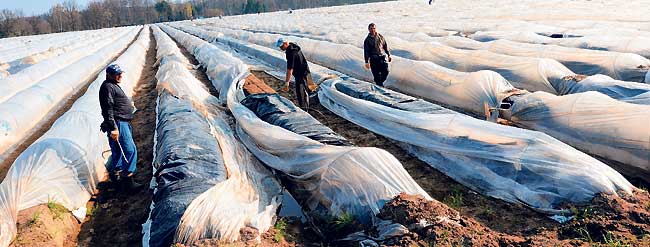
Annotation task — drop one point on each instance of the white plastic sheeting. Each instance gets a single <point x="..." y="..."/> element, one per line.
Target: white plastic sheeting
<point x="533" y="74"/>
<point x="543" y="172"/>
<point x="626" y="141"/>
<point x="21" y="113"/>
<point x="65" y="164"/>
<point x="352" y="180"/>
<point x="621" y="66"/>
<point x="13" y="84"/>
<point x="590" y="121"/>
<point x="40" y="43"/>
<point x="469" y="91"/>
<point x="248" y="197"/>
<point x="74" y="43"/>
<point x="636" y="45"/>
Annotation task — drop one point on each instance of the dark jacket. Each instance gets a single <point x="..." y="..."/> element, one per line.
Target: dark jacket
<point x="296" y="61"/>
<point x="374" y="47"/>
<point x="116" y="106"/>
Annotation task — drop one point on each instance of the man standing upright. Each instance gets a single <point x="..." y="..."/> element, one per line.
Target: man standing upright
<point x="298" y="67"/>
<point x="376" y="54"/>
<point x="117" y="110"/>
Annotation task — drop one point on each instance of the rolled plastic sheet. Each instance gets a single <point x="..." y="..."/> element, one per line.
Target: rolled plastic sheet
<point x="66" y="163"/>
<point x="512" y="164"/>
<point x="468" y="91"/>
<point x="590" y="121"/>
<point x="207" y="185"/>
<point x="516" y="165"/>
<point x="336" y="180"/>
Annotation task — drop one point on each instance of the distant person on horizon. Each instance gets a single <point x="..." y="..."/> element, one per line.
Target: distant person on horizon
<point x="298" y="67"/>
<point x="376" y="55"/>
<point x="117" y="111"/>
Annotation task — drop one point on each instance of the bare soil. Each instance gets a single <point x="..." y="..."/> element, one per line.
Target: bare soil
<point x="41" y="226"/>
<point x="117" y="216"/>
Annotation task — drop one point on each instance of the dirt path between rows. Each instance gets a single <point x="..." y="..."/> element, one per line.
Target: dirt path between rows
<point x="44" y="125"/>
<point x="496" y="214"/>
<point x="117" y="217"/>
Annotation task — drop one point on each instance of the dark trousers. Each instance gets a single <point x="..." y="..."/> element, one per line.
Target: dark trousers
<point x="379" y="68"/>
<point x="302" y="91"/>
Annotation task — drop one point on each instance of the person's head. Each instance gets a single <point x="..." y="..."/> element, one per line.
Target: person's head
<point x="114" y="72"/>
<point x="282" y="44"/>
<point x="372" y="29"/>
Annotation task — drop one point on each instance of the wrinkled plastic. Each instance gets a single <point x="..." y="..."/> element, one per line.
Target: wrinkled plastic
<point x="608" y="144"/>
<point x="22" y="112"/>
<point x="352" y="180"/>
<point x="87" y="41"/>
<point x="278" y="111"/>
<point x="621" y="66"/>
<point x="590" y="121"/>
<point x="66" y="163"/>
<point x="636" y="45"/>
<point x="468" y="91"/>
<point x="516" y="165"/>
<point x="32" y="75"/>
<point x="207" y="184"/>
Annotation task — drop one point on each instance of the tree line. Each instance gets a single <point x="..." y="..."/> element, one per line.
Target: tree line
<point x="70" y="16"/>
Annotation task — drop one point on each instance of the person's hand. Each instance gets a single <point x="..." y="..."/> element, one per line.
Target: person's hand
<point x="390" y="59"/>
<point x="367" y="65"/>
<point x="286" y="87"/>
<point x="115" y="134"/>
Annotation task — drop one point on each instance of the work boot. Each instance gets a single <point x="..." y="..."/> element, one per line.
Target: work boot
<point x="128" y="184"/>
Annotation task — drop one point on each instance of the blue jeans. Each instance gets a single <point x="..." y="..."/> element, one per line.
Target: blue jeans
<point x="117" y="161"/>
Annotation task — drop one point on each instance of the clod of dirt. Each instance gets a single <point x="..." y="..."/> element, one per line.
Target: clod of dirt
<point x="434" y="223"/>
<point x="612" y="220"/>
<point x="248" y="234"/>
<point x="43" y="226"/>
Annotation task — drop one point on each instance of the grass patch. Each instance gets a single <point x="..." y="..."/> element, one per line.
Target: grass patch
<point x="35" y="218"/>
<point x="455" y="200"/>
<point x="488" y="212"/>
<point x="585" y="235"/>
<point x="342" y="221"/>
<point x="56" y="209"/>
<point x="582" y="214"/>
<point x="90" y="211"/>
<point x="280" y="230"/>
<point x="611" y="241"/>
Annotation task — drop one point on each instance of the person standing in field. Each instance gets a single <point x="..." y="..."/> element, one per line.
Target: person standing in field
<point x="118" y="111"/>
<point x="298" y="67"/>
<point x="376" y="55"/>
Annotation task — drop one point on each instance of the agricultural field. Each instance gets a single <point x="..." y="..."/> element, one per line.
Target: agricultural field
<point x="501" y="123"/>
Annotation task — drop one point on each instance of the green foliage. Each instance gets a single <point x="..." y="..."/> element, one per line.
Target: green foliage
<point x="56" y="209"/>
<point x="611" y="241"/>
<point x="90" y="211"/>
<point x="455" y="200"/>
<point x="585" y="235"/>
<point x="582" y="214"/>
<point x="35" y="217"/>
<point x="343" y="220"/>
<point x="280" y="230"/>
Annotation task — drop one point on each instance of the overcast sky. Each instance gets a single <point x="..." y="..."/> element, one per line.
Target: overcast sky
<point x="34" y="7"/>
